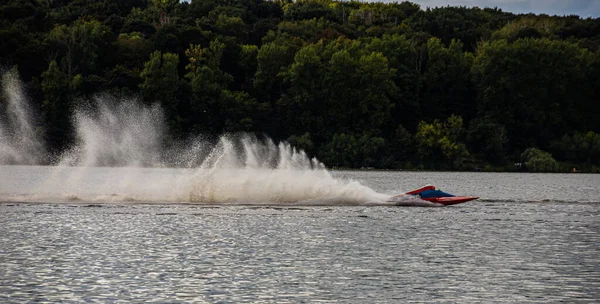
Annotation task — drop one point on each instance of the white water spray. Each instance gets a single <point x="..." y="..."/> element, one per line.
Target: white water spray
<point x="19" y="141"/>
<point x="122" y="154"/>
<point x="113" y="133"/>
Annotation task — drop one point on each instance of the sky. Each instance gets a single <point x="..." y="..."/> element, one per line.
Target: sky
<point x="583" y="8"/>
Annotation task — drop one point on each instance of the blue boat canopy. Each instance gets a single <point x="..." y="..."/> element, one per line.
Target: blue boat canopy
<point x="434" y="193"/>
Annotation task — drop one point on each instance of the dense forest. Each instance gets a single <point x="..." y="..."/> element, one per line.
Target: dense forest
<point x="356" y="84"/>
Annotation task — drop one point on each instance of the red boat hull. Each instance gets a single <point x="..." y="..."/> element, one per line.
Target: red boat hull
<point x="453" y="200"/>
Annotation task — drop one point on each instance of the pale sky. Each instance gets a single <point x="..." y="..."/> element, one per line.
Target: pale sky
<point x="583" y="8"/>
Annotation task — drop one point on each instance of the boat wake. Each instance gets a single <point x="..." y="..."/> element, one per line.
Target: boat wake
<point x="123" y="153"/>
<point x="536" y="201"/>
<point x="229" y="186"/>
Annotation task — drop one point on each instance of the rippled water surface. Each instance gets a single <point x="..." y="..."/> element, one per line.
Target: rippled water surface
<point x="531" y="238"/>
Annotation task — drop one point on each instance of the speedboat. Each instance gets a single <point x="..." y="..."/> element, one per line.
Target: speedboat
<point x="430" y="194"/>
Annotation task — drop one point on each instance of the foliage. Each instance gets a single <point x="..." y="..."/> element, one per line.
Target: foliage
<point x="487" y="138"/>
<point x="536" y="160"/>
<point x="79" y="45"/>
<point x="160" y="83"/>
<point x="56" y="106"/>
<point x="442" y="141"/>
<point x="446" y="81"/>
<point x="580" y="148"/>
<point x="529" y="86"/>
<point x="353" y="151"/>
<point x="358" y="84"/>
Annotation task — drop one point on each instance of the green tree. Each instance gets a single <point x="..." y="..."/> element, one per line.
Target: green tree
<point x="357" y="92"/>
<point x="528" y="27"/>
<point x="303" y="104"/>
<point x="581" y="148"/>
<point x="207" y="81"/>
<point x="56" y="107"/>
<point x="529" y="85"/>
<point x="446" y="81"/>
<point x="215" y="107"/>
<point x="338" y="87"/>
<point x="231" y="26"/>
<point x="536" y="160"/>
<point x="160" y="83"/>
<point x="130" y="50"/>
<point x="440" y="143"/>
<point x="272" y="59"/>
<point x="247" y="63"/>
<point x="79" y="45"/>
<point x="353" y="152"/>
<point x="487" y="139"/>
<point x="308" y="9"/>
<point x="23" y="26"/>
<point x="303" y="142"/>
<point x="403" y="57"/>
<point x="403" y="147"/>
<point x="469" y="25"/>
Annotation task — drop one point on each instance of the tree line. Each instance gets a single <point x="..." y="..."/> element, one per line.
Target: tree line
<point x="356" y="84"/>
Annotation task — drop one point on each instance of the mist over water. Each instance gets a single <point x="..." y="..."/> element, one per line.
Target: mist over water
<point x="122" y="152"/>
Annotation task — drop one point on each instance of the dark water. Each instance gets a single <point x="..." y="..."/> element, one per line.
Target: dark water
<point x="531" y="238"/>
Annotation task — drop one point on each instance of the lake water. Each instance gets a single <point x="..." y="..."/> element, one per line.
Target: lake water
<point x="125" y="235"/>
